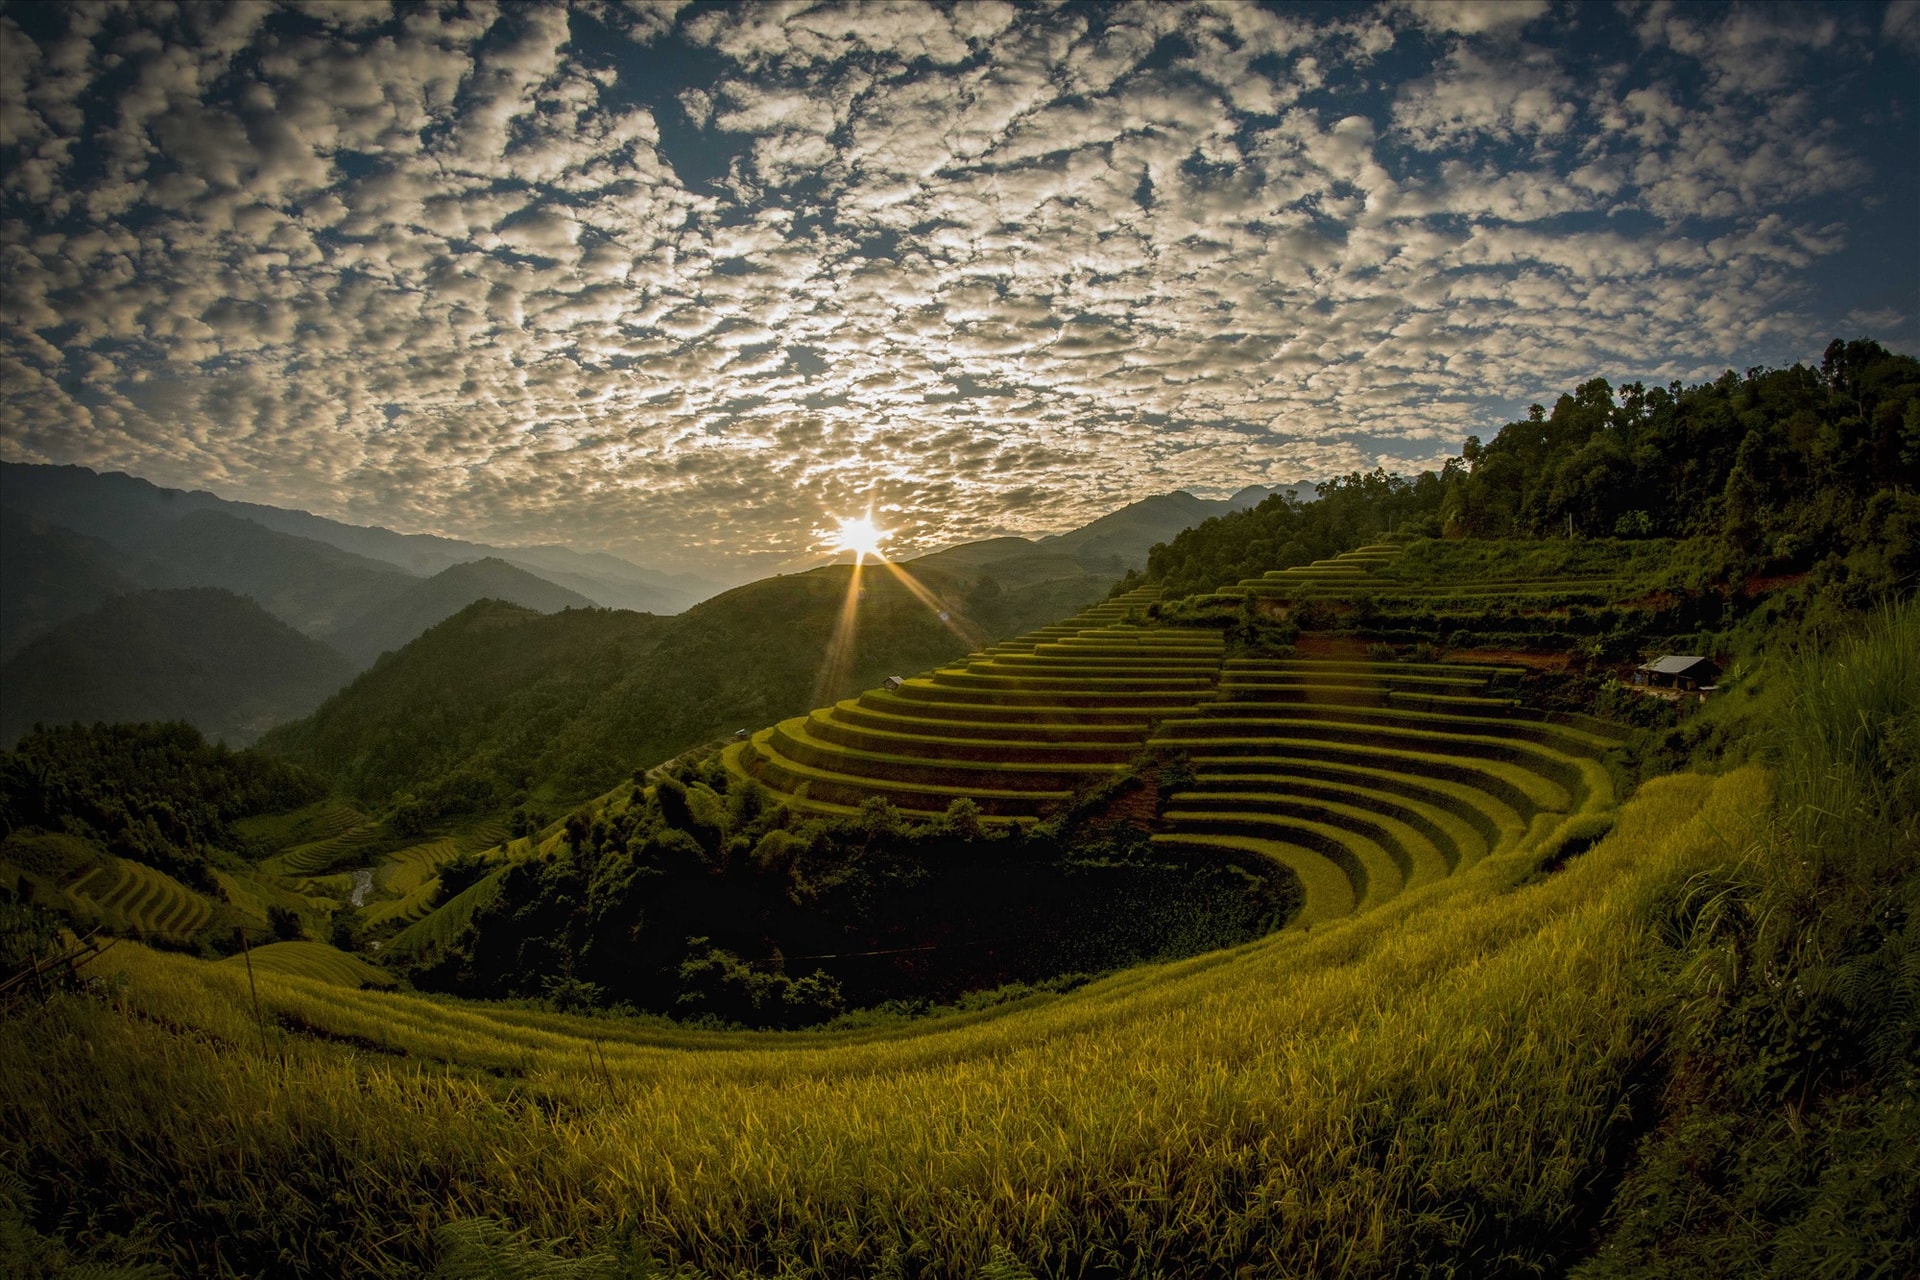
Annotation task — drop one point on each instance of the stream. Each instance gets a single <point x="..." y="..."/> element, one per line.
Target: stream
<point x="362" y="886"/>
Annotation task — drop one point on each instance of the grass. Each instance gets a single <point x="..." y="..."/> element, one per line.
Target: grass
<point x="321" y="820"/>
<point x="315" y="960"/>
<point x="1438" y="1082"/>
<point x="316" y="857"/>
<point x="445" y="922"/>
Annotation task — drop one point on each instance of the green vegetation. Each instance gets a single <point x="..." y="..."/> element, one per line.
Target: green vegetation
<point x="1449" y="1074"/>
<point x="498" y="707"/>
<point x="700" y="898"/>
<point x="1469" y="979"/>
<point x="1791" y="1110"/>
<point x="468" y="714"/>
<point x="158" y="794"/>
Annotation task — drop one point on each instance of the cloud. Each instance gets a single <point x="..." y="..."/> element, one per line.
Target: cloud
<point x="986" y="268"/>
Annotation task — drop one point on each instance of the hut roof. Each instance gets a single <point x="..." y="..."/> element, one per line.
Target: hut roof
<point x="1675" y="664"/>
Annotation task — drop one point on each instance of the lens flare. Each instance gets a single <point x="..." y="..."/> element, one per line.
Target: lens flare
<point x="858" y="535"/>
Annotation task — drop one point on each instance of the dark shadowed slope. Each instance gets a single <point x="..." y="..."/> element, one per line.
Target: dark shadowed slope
<point x="48" y="574"/>
<point x="499" y="700"/>
<point x="485" y="695"/>
<point x="308" y="585"/>
<point x="393" y="622"/>
<point x="206" y="656"/>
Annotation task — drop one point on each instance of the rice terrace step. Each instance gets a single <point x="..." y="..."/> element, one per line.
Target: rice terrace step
<point x="1363" y="779"/>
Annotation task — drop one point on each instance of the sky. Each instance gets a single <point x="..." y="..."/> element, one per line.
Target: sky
<point x="687" y="282"/>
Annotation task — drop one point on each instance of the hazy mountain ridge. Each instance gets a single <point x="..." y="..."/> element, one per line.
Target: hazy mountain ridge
<point x="49" y="574"/>
<point x="356" y="590"/>
<point x="423" y="602"/>
<point x="129" y="512"/>
<point x="207" y="656"/>
<point x="311" y="586"/>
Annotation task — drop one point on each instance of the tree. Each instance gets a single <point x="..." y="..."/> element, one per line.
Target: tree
<point x="284" y="924"/>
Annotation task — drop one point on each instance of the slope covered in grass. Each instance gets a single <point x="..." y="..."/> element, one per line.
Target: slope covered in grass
<point x="1447" y="1078"/>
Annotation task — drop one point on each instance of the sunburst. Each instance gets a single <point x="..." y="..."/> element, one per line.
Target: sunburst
<point x="858" y="535"/>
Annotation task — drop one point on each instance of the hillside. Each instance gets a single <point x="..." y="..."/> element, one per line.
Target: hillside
<point x="1358" y="912"/>
<point x="48" y="575"/>
<point x="1516" y="1069"/>
<point x="310" y="586"/>
<point x="1120" y="540"/>
<point x="206" y="656"/>
<point x="484" y="698"/>
<point x="420" y="604"/>
<point x="566" y="706"/>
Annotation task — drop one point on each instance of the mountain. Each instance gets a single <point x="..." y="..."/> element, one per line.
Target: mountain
<point x="48" y="574"/>
<point x="1121" y="539"/>
<point x="421" y="603"/>
<point x="497" y="700"/>
<point x="485" y="693"/>
<point x="311" y="586"/>
<point x="129" y="513"/>
<point x="1014" y="584"/>
<point x="211" y="658"/>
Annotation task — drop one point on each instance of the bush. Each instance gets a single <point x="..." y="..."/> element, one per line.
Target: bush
<point x="461" y="874"/>
<point x="284" y="924"/>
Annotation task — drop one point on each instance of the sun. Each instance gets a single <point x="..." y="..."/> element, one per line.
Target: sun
<point x="858" y="535"/>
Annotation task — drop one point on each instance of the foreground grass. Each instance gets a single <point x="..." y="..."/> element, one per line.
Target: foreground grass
<point x="1449" y="1081"/>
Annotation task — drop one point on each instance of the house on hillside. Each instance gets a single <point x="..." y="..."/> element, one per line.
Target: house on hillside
<point x="1684" y="672"/>
<point x="893" y="682"/>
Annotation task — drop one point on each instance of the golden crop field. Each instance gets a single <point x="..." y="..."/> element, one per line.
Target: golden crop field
<point x="1434" y="1079"/>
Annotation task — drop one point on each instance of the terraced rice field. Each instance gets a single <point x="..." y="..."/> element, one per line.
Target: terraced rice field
<point x="317" y="856"/>
<point x="130" y="897"/>
<point x="412" y="875"/>
<point x="1015" y="728"/>
<point x="1370" y="779"/>
<point x="1364" y="779"/>
<point x="251" y="896"/>
<point x="407" y="869"/>
<point x="441" y="925"/>
<point x="315" y="960"/>
<point x="1359" y="573"/>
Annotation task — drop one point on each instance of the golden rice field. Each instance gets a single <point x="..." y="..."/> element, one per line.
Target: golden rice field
<point x="1434" y="1083"/>
<point x="132" y="897"/>
<point x="314" y="960"/>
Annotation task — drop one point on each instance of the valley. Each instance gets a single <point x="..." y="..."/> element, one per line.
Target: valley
<point x="1359" y="913"/>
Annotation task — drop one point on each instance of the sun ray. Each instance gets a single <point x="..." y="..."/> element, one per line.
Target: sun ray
<point x="968" y="635"/>
<point x="836" y="665"/>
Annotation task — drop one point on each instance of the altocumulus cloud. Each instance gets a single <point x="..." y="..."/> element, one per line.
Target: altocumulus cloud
<point x="683" y="281"/>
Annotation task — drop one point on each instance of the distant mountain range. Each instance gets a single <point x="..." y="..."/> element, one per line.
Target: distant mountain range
<point x="199" y="654"/>
<point x="123" y="599"/>
<point x="1106" y="548"/>
<point x="139" y="519"/>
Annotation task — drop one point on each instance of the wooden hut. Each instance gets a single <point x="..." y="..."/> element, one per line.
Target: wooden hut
<point x="1686" y="672"/>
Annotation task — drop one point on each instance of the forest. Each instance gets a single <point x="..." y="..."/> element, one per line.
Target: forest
<point x="1782" y="471"/>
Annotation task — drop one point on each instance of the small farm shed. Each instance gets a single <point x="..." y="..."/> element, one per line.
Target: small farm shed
<point x="1684" y="671"/>
<point x="893" y="682"/>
